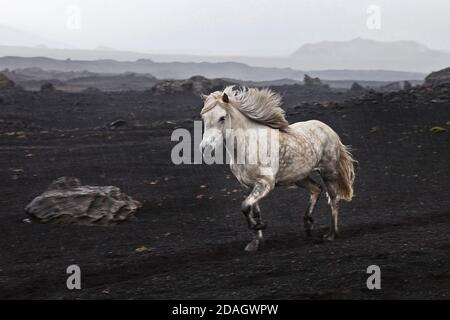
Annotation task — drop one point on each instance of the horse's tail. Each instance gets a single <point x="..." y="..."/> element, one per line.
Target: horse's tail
<point x="346" y="173"/>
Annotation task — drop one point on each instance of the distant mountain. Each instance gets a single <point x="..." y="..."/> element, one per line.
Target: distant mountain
<point x="173" y="70"/>
<point x="369" y="54"/>
<point x="356" y="54"/>
<point x="184" y="70"/>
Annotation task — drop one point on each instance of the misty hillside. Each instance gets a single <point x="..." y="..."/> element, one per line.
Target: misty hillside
<point x="184" y="70"/>
<point x="368" y="54"/>
<point x="175" y="70"/>
<point x="357" y="54"/>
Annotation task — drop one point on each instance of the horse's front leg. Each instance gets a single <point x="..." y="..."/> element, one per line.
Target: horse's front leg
<point x="256" y="225"/>
<point x="251" y="211"/>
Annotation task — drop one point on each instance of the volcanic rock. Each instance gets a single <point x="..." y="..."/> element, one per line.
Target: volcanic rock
<point x="47" y="87"/>
<point x="311" y="82"/>
<point x="407" y="85"/>
<point x="438" y="77"/>
<point x="195" y="84"/>
<point x="356" y="87"/>
<point x="5" y="82"/>
<point x="67" y="201"/>
<point x="394" y="86"/>
<point x="117" y="124"/>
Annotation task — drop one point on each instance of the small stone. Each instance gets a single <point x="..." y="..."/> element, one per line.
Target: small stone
<point x="142" y="249"/>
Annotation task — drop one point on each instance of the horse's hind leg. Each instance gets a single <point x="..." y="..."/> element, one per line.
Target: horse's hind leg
<point x="314" y="189"/>
<point x="250" y="209"/>
<point x="331" y="186"/>
<point x="256" y="214"/>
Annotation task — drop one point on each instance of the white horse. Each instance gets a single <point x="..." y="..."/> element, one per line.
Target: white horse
<point x="301" y="149"/>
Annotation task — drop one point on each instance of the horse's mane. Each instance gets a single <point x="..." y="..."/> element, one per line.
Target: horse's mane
<point x="260" y="105"/>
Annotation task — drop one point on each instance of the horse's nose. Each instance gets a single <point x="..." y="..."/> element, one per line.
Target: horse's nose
<point x="207" y="145"/>
<point x="201" y="146"/>
<point x="204" y="145"/>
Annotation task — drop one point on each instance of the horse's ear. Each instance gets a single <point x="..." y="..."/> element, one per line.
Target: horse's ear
<point x="203" y="96"/>
<point x="225" y="98"/>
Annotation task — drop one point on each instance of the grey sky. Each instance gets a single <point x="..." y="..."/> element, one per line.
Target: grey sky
<point x="245" y="27"/>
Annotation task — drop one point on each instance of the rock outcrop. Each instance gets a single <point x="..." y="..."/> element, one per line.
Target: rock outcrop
<point x="390" y="87"/>
<point x="5" y="82"/>
<point x="356" y="87"/>
<point x="67" y="201"/>
<point x="196" y="85"/>
<point x="407" y="85"/>
<point x="416" y="95"/>
<point x="438" y="77"/>
<point x="47" y="87"/>
<point x="311" y="82"/>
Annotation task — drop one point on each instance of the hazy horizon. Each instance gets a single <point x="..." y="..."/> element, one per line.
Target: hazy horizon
<point x="256" y="28"/>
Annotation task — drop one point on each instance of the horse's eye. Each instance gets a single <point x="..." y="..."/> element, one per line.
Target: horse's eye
<point x="222" y="119"/>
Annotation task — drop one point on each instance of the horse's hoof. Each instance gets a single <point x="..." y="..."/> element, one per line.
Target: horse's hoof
<point x="330" y="236"/>
<point x="259" y="226"/>
<point x="252" y="246"/>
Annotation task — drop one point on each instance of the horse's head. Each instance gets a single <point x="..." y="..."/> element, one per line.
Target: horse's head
<point x="215" y="116"/>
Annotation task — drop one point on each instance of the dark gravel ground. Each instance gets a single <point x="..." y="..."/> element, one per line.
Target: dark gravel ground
<point x="191" y="224"/>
